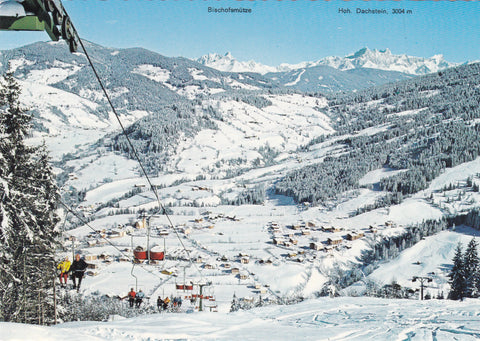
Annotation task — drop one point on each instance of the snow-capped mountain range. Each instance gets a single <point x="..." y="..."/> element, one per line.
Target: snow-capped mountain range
<point x="228" y="63"/>
<point x="363" y="58"/>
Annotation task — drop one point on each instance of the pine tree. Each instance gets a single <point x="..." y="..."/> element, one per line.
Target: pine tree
<point x="457" y="276"/>
<point x="235" y="306"/>
<point x="472" y="269"/>
<point x="28" y="197"/>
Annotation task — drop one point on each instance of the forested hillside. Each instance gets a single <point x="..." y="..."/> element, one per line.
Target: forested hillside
<point x="136" y="79"/>
<point x="422" y="126"/>
<point x="325" y="78"/>
<point x="155" y="136"/>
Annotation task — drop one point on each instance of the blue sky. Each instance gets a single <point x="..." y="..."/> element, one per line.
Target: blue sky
<point x="276" y="31"/>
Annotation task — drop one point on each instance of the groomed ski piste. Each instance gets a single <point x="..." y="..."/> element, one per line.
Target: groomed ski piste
<point x="343" y="318"/>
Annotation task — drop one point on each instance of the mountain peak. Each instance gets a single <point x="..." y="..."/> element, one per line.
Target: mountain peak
<point x="366" y="52"/>
<point x="228" y="63"/>
<point x="359" y="53"/>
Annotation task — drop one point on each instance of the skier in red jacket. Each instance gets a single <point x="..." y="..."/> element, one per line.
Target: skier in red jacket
<point x="131" y="297"/>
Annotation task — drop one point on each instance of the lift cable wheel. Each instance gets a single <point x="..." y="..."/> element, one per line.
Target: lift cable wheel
<point x="48" y="5"/>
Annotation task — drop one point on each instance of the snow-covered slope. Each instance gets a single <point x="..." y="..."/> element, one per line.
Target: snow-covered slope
<point x="66" y="100"/>
<point x="60" y="115"/>
<point x="323" y="78"/>
<point x="320" y="319"/>
<point x="431" y="256"/>
<point x="290" y="121"/>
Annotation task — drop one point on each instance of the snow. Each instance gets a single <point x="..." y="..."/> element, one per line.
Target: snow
<point x="59" y="72"/>
<point x="237" y="85"/>
<point x="412" y="210"/>
<point x="197" y="74"/>
<point x="373" y="130"/>
<point x="190" y="91"/>
<point x="12" y="9"/>
<point x="93" y="95"/>
<point x="429" y="93"/>
<point x="214" y="237"/>
<point x="107" y="191"/>
<point x="249" y="234"/>
<point x="291" y="120"/>
<point x="17" y="63"/>
<point x="320" y="319"/>
<point x="377" y="175"/>
<point x="408" y="112"/>
<point x="154" y="73"/>
<point x="455" y="174"/>
<point x="433" y="255"/>
<point x="65" y="114"/>
<point x="296" y="81"/>
<point x="76" y="110"/>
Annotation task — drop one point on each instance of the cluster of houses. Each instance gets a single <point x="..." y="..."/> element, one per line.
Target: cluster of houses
<point x="228" y="266"/>
<point x="163" y="231"/>
<point x="279" y="237"/>
<point x="201" y="188"/>
<point x="288" y="237"/>
<point x="100" y="237"/>
<point x="333" y="242"/>
<point x="88" y="208"/>
<point x="212" y="217"/>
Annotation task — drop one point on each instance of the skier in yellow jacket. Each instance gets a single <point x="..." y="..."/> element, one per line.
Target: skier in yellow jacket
<point x="64" y="267"/>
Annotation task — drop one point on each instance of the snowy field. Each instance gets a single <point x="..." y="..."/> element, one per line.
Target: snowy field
<point x="317" y="319"/>
<point x="433" y="255"/>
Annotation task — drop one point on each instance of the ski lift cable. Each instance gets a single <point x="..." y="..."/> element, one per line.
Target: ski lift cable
<point x="134" y="151"/>
<point x="83" y="221"/>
